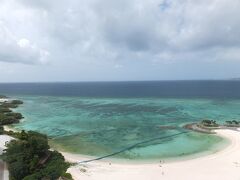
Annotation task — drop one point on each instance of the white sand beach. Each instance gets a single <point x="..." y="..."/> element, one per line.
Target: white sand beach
<point x="222" y="165"/>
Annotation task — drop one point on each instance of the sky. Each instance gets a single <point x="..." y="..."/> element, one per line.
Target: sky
<point x="112" y="40"/>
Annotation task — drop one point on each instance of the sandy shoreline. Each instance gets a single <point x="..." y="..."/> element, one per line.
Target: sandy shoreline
<point x="222" y="165"/>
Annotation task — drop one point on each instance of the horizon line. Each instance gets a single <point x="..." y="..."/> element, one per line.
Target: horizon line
<point x="106" y="81"/>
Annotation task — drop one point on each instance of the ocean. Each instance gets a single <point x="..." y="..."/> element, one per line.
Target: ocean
<point x="101" y="118"/>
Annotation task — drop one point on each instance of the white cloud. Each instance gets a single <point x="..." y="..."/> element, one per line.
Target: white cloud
<point x="118" y="66"/>
<point x="23" y="43"/>
<point x="83" y="32"/>
<point x="15" y="48"/>
<point x="92" y="29"/>
<point x="19" y="50"/>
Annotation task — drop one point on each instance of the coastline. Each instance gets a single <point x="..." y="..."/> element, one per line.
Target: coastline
<point x="9" y="128"/>
<point x="208" y="165"/>
<point x="221" y="165"/>
<point x="76" y="157"/>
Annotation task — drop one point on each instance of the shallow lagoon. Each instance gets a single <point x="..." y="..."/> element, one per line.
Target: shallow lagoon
<point x="101" y="126"/>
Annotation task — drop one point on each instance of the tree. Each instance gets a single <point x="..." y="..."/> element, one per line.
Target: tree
<point x="29" y="158"/>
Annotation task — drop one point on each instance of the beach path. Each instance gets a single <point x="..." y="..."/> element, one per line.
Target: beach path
<point x="4" y="174"/>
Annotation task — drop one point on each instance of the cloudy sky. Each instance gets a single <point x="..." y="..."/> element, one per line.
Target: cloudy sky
<point x="93" y="40"/>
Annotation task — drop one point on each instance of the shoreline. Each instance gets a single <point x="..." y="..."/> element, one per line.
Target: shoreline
<point x="8" y="128"/>
<point x="72" y="157"/>
<point x="221" y="165"/>
<point x="76" y="157"/>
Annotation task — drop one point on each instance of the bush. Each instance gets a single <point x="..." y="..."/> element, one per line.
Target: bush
<point x="9" y="118"/>
<point x="30" y="158"/>
<point x="67" y="176"/>
<point x="16" y="102"/>
<point x="209" y="123"/>
<point x="5" y="110"/>
<point x="232" y="123"/>
<point x="54" y="168"/>
<point x="1" y="130"/>
<point x="8" y="105"/>
<point x="6" y="115"/>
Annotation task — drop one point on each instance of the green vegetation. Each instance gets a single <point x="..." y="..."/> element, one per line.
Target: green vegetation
<point x="17" y="102"/>
<point x="1" y="130"/>
<point x="12" y="104"/>
<point x="4" y="110"/>
<point x="29" y="158"/>
<point x="6" y="115"/>
<point x="209" y="123"/>
<point x="207" y="126"/>
<point x="10" y="118"/>
<point x="232" y="123"/>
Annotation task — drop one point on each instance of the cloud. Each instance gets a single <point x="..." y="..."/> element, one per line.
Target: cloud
<point x="17" y="44"/>
<point x="21" y="50"/>
<point x="93" y="31"/>
<point x="118" y="66"/>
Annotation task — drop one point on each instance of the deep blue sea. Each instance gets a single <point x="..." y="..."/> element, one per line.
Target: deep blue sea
<point x="161" y="89"/>
<point x="100" y="118"/>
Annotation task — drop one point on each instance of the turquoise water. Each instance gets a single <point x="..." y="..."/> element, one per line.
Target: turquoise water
<point x="100" y="126"/>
